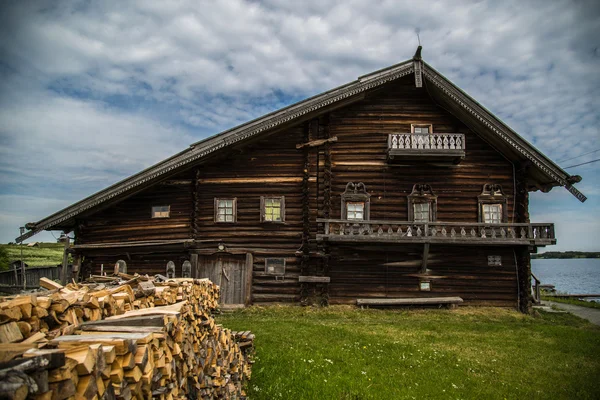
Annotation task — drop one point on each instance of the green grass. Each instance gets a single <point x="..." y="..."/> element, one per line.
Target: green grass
<point x="45" y="254"/>
<point x="469" y="353"/>
<point x="577" y="302"/>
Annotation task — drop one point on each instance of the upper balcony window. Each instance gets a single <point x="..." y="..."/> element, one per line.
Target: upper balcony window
<point x="272" y="209"/>
<point x="492" y="204"/>
<point x="355" y="202"/>
<point x="161" y="211"/>
<point x="225" y="210"/>
<point x="421" y="129"/>
<point x="422" y="204"/>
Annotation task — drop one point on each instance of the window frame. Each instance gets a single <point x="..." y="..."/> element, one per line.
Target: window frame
<point x="234" y="209"/>
<point x="492" y="194"/>
<point x="263" y="209"/>
<point x="422" y="193"/>
<point x="152" y="212"/>
<point x="267" y="259"/>
<point x="428" y="126"/>
<point x="355" y="193"/>
<point x="355" y="203"/>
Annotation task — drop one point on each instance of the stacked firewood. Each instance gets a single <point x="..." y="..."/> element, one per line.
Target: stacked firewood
<point x="122" y="342"/>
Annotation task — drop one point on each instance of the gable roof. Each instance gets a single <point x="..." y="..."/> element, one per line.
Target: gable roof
<point x="442" y="90"/>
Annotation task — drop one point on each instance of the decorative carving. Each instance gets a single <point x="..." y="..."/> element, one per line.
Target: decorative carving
<point x="434" y="141"/>
<point x="356" y="192"/>
<point x="186" y="269"/>
<point x="418" y="67"/>
<point x="170" y="269"/>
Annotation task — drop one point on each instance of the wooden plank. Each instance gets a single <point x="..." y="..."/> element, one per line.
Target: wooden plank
<point x="318" y="142"/>
<point x="50" y="284"/>
<point x="409" y="301"/>
<point x="314" y="279"/>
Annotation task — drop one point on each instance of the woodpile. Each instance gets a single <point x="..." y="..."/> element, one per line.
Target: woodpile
<point x="141" y="339"/>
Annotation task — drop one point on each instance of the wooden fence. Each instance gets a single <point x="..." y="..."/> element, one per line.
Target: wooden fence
<point x="14" y="277"/>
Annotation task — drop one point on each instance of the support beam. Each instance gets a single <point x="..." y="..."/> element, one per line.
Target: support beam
<point x="315" y="143"/>
<point x="425" y="257"/>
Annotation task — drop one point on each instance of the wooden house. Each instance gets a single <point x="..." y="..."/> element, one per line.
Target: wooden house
<point x="396" y="185"/>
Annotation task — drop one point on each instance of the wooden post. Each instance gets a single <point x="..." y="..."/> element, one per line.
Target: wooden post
<point x="22" y="230"/>
<point x="194" y="262"/>
<point x="425" y="257"/>
<point x="65" y="261"/>
<point x="249" y="269"/>
<point x="76" y="267"/>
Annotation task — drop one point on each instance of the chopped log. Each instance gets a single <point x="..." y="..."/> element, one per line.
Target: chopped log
<point x="10" y="333"/>
<point x="50" y="284"/>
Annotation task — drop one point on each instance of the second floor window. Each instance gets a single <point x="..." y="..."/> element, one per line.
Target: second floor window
<point x="355" y="202"/>
<point x="492" y="204"/>
<point x="225" y="210"/>
<point x="272" y="209"/>
<point x="492" y="213"/>
<point x="356" y="210"/>
<point x="422" y="212"/>
<point x="422" y="203"/>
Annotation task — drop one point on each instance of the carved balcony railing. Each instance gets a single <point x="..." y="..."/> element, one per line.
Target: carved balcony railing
<point x="541" y="234"/>
<point x="426" y="147"/>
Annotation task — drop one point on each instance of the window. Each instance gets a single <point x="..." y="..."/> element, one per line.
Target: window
<point x="421" y="129"/>
<point x="422" y="204"/>
<point x="275" y="266"/>
<point x="492" y="213"/>
<point x="225" y="210"/>
<point x="425" y="286"/>
<point x="272" y="209"/>
<point x="492" y="204"/>
<point x="161" y="211"/>
<point x="421" y="212"/>
<point x="494" y="261"/>
<point x="355" y="202"/>
<point x="356" y="210"/>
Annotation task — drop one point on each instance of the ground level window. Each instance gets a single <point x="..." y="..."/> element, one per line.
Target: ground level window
<point x="492" y="213"/>
<point x="275" y="266"/>
<point x="356" y="210"/>
<point x="273" y="209"/>
<point x="225" y="210"/>
<point x="161" y="211"/>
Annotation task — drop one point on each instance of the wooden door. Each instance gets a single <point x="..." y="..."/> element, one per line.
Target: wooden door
<point x="229" y="272"/>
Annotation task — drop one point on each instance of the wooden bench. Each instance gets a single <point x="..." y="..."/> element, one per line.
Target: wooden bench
<point x="412" y="301"/>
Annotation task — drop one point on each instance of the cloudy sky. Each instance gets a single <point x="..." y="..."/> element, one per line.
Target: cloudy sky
<point x="92" y="92"/>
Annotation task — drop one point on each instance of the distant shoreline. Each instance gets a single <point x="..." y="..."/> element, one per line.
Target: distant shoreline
<point x="566" y="255"/>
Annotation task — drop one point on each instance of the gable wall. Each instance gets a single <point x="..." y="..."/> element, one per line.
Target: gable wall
<point x="360" y="156"/>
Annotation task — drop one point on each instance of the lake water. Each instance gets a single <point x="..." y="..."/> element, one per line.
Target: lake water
<point x="576" y="275"/>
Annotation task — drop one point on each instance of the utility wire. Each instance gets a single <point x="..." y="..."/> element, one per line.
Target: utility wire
<point x="581" y="155"/>
<point x="589" y="162"/>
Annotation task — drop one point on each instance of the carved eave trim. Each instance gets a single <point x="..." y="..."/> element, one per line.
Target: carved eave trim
<point x="500" y="129"/>
<point x="201" y="149"/>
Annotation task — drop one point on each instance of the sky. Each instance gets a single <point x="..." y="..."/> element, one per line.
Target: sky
<point x="93" y="92"/>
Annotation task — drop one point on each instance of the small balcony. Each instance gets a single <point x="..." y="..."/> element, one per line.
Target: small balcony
<point x="434" y="147"/>
<point x="540" y="234"/>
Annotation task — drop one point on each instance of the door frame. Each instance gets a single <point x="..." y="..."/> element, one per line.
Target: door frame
<point x="248" y="270"/>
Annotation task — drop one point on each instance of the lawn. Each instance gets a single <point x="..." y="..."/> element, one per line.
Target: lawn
<point x="469" y="353"/>
<point x="45" y="254"/>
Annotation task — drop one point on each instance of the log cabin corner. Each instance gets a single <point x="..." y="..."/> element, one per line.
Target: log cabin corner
<point x="395" y="186"/>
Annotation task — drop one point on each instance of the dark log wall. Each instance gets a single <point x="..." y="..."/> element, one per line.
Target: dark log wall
<point x="270" y="167"/>
<point x="372" y="271"/>
<point x="360" y="156"/>
<point x="130" y="220"/>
